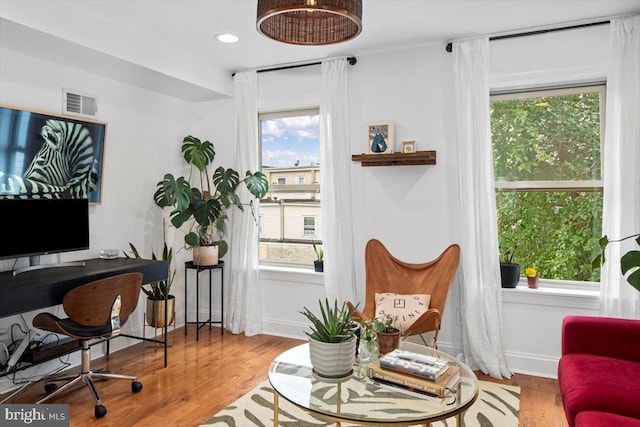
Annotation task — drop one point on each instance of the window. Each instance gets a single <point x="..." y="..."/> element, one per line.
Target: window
<point x="309" y="228"/>
<point x="548" y="172"/>
<point x="290" y="212"/>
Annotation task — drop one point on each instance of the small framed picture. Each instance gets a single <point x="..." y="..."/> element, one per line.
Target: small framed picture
<point x="408" y="146"/>
<point x="380" y="137"/>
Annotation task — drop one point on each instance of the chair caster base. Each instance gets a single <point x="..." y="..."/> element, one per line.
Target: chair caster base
<point x="100" y="411"/>
<point x="136" y="386"/>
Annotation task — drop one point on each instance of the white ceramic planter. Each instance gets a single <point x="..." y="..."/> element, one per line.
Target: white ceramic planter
<point x="205" y="255"/>
<point x="332" y="360"/>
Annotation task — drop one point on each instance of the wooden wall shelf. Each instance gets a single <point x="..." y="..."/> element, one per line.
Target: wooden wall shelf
<point x="396" y="159"/>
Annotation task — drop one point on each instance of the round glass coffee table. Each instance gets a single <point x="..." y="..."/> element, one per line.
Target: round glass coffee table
<point x="361" y="400"/>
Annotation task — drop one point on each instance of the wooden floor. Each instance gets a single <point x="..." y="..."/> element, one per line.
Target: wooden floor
<point x="207" y="375"/>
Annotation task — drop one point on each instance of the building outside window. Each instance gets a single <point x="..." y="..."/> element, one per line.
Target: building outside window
<point x="547" y="149"/>
<point x="290" y="212"/>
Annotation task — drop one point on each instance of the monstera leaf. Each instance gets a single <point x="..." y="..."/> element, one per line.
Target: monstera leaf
<point x="197" y="153"/>
<point x="257" y="183"/>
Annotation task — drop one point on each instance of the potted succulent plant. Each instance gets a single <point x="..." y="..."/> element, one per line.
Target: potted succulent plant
<point x="205" y="206"/>
<point x="318" y="264"/>
<point x="158" y="292"/>
<point x="332" y="342"/>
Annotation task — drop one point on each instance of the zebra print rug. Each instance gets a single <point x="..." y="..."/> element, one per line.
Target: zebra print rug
<point x="497" y="406"/>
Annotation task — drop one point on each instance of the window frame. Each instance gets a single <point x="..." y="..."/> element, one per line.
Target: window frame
<point x="559" y="185"/>
<point x="277" y="114"/>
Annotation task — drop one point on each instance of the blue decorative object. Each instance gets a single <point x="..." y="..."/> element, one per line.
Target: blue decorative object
<point x="379" y="144"/>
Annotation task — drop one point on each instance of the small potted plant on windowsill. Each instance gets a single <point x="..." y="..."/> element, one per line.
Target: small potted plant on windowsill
<point x="318" y="264"/>
<point x="509" y="270"/>
<point x="532" y="277"/>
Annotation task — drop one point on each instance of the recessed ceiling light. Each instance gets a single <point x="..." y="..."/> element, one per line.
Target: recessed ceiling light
<point x="227" y="38"/>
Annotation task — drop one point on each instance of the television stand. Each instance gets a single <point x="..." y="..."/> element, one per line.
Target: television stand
<point x="34" y="264"/>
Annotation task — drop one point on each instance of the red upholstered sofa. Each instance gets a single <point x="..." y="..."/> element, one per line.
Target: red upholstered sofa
<point x="599" y="371"/>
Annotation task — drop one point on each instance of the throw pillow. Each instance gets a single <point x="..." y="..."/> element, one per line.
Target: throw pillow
<point x="404" y="308"/>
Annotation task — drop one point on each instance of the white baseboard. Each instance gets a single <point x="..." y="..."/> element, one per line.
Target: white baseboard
<point x="533" y="364"/>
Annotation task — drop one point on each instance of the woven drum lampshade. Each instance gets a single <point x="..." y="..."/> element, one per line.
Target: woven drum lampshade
<point x="309" y="22"/>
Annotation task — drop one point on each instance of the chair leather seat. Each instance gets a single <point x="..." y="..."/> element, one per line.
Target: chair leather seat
<point x="49" y="322"/>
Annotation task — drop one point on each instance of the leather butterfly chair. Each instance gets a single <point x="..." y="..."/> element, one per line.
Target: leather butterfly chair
<point x="95" y="310"/>
<point x="386" y="273"/>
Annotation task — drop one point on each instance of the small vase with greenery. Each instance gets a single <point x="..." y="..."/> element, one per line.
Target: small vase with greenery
<point x="318" y="264"/>
<point x="629" y="262"/>
<point x="332" y="343"/>
<point x="205" y="204"/>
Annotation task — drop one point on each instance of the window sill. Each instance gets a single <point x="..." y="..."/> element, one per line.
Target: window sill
<point x="550" y="293"/>
<point x="291" y="274"/>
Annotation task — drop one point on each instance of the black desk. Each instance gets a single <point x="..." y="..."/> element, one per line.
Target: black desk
<point x="189" y="265"/>
<point x="47" y="287"/>
<point x="37" y="289"/>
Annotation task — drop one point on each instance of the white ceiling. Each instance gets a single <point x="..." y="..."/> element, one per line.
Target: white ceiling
<point x="169" y="45"/>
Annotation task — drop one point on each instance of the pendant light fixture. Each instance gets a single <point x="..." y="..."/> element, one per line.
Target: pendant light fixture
<point x="309" y="22"/>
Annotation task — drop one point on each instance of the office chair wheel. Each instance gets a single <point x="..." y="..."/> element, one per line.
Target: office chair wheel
<point x="50" y="387"/>
<point x="100" y="411"/>
<point x="136" y="386"/>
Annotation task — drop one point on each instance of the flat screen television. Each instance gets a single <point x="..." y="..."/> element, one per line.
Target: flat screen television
<point x="36" y="227"/>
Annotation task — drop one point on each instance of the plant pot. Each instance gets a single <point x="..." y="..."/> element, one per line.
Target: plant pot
<point x="332" y="360"/>
<point x="205" y="255"/>
<point x="155" y="312"/>
<point x="318" y="266"/>
<point x="509" y="274"/>
<point x="388" y="341"/>
<point x="533" y="281"/>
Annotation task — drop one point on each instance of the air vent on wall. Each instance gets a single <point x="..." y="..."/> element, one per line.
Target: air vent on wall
<point x="79" y="104"/>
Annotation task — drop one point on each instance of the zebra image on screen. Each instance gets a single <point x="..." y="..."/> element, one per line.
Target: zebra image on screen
<point x="63" y="167"/>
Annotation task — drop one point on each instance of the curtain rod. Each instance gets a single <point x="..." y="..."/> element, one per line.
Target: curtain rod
<point x="352" y="60"/>
<point x="449" y="47"/>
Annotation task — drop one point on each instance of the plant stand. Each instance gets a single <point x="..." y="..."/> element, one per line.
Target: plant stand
<point x="189" y="265"/>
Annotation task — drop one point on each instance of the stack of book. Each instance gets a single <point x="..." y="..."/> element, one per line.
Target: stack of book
<point x="415" y="372"/>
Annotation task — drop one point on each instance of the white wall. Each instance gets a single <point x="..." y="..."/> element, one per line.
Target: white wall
<point x="411" y="209"/>
<point x="144" y="133"/>
<point x="414" y="210"/>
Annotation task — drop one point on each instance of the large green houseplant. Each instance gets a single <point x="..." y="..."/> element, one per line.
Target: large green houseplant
<point x="332" y="342"/>
<point x="206" y="201"/>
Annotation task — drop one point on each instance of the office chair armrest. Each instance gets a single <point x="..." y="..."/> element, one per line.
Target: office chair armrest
<point x="428" y="321"/>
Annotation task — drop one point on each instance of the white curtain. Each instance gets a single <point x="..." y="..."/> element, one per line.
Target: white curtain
<point x="621" y="170"/>
<point x="480" y="274"/>
<point x="335" y="183"/>
<point x="243" y="312"/>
